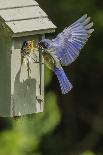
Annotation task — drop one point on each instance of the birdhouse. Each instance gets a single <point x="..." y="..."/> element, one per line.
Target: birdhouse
<point x="21" y="91"/>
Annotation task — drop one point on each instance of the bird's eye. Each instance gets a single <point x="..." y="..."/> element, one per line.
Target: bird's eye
<point x="26" y="43"/>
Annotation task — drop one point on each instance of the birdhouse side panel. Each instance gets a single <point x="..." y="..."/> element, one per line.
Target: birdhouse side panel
<point x="5" y="69"/>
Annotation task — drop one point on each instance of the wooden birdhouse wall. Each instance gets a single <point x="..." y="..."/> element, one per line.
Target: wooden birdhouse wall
<point x="26" y="89"/>
<point x="5" y="70"/>
<point x="21" y="92"/>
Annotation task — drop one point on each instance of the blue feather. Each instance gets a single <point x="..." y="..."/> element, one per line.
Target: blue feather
<point x="69" y="43"/>
<point x="65" y="85"/>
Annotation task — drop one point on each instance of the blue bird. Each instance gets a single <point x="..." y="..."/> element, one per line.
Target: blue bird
<point x="65" y="48"/>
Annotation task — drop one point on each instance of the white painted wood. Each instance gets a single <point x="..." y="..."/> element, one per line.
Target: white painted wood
<point x="40" y="91"/>
<point x="31" y="25"/>
<point x="22" y="13"/>
<point x="26" y="90"/>
<point x="41" y="68"/>
<point x="17" y="35"/>
<point x="5" y="69"/>
<point x="5" y="4"/>
<point x="21" y="93"/>
<point x="25" y="17"/>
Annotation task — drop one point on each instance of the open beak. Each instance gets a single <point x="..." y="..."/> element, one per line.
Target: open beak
<point x="30" y="45"/>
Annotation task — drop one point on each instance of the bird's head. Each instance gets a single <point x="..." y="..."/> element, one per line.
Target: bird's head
<point x="24" y="45"/>
<point x="27" y="45"/>
<point x="30" y="45"/>
<point x="44" y="44"/>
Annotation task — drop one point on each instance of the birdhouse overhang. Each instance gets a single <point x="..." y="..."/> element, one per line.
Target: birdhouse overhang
<point x="25" y="18"/>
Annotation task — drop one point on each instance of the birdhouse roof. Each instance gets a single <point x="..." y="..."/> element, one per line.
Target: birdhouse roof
<point x="25" y="17"/>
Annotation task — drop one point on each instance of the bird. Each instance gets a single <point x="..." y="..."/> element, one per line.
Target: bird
<point x="26" y="50"/>
<point x="65" y="48"/>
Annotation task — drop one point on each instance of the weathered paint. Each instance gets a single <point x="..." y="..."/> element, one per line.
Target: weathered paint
<point x="24" y="16"/>
<point x="7" y="4"/>
<point x="25" y="89"/>
<point x="30" y="25"/>
<point x="21" y="93"/>
<point x="5" y="69"/>
<point x="17" y="35"/>
<point x="24" y="13"/>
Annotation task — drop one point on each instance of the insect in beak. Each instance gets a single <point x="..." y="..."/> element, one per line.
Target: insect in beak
<point x="41" y="46"/>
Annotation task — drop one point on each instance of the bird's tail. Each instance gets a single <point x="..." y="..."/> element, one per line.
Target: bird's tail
<point x="65" y="85"/>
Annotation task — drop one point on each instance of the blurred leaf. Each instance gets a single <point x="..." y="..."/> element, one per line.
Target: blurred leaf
<point x="99" y="18"/>
<point x="48" y="75"/>
<point x="88" y="153"/>
<point x="27" y="132"/>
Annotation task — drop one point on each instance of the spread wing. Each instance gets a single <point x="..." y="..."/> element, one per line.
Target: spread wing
<point x="69" y="43"/>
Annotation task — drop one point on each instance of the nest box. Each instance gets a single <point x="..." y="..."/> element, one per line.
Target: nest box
<point x="20" y="94"/>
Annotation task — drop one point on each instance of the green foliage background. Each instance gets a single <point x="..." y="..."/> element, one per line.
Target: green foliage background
<point x="71" y="124"/>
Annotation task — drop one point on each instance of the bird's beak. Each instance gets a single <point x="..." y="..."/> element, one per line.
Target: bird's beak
<point x="30" y="45"/>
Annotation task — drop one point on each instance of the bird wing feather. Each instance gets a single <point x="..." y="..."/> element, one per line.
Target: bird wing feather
<point x="67" y="44"/>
